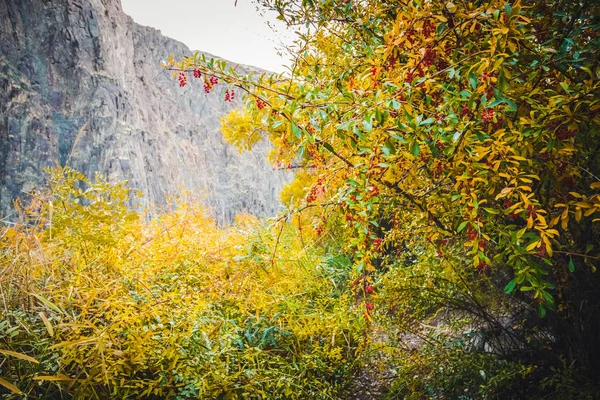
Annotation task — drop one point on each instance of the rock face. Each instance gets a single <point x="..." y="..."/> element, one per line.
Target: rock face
<point x="66" y="64"/>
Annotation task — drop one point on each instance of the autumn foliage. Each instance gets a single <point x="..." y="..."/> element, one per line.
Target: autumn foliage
<point x="453" y="148"/>
<point x="100" y="303"/>
<point x="442" y="230"/>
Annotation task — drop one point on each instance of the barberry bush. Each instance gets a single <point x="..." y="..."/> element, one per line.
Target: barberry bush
<point x="451" y="150"/>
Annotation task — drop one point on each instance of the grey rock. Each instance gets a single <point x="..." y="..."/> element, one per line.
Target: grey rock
<point x="69" y="63"/>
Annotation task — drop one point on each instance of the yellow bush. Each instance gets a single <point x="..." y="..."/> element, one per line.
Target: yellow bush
<point x="113" y="306"/>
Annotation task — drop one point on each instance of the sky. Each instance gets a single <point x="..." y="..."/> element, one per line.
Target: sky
<point x="236" y="33"/>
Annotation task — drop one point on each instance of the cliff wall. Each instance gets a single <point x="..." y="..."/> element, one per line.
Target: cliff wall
<point x="66" y="64"/>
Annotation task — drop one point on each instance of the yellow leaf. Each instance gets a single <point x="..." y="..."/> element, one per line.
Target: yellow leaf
<point x="53" y="378"/>
<point x="595" y="185"/>
<point x="524" y="198"/>
<point x="541" y="219"/>
<point x="533" y="245"/>
<point x="20" y="356"/>
<point x="530" y="222"/>
<point x="10" y="386"/>
<point x="47" y="324"/>
<point x="73" y="343"/>
<point x="47" y="303"/>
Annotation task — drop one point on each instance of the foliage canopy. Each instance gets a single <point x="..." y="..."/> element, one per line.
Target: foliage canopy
<point x="442" y="227"/>
<point x="457" y="139"/>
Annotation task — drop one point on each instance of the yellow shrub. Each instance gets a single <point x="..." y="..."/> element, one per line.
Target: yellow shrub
<point x="171" y="307"/>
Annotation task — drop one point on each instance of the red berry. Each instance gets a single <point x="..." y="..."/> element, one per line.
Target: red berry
<point x="182" y="79"/>
<point x="487" y="115"/>
<point x="377" y="243"/>
<point x="369" y="289"/>
<point x="370" y="306"/>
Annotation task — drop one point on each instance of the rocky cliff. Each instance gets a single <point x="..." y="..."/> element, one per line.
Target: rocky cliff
<point x="66" y="64"/>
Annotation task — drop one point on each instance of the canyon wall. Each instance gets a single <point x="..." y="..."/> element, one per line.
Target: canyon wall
<point x="72" y="64"/>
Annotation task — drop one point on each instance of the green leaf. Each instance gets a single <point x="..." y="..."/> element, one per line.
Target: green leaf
<point x="300" y="153"/>
<point x="473" y="80"/>
<point x="571" y="265"/>
<point x="462" y="226"/>
<point x="440" y="29"/>
<point x="296" y="131"/>
<point x="328" y="147"/>
<point x="415" y="149"/>
<point x="510" y="286"/>
<point x="512" y="106"/>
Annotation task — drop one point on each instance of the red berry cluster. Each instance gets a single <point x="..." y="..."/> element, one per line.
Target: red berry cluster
<point x="542" y="252"/>
<point x="482" y="266"/>
<point x="377" y="242"/>
<point x="315" y="191"/>
<point x="197" y="73"/>
<point x="428" y="28"/>
<point x="564" y="133"/>
<point x="441" y="145"/>
<point x="429" y="57"/>
<point x="260" y="104"/>
<point x="471" y="233"/>
<point x="210" y="83"/>
<point x="369" y="289"/>
<point x="465" y="110"/>
<point x="229" y="95"/>
<point x="373" y="191"/>
<point x="486" y="77"/>
<point x="487" y="115"/>
<point x="182" y="79"/>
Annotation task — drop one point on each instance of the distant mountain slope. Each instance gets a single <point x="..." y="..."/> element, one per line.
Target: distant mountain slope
<point x="69" y="63"/>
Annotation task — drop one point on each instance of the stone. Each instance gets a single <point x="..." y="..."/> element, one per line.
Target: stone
<point x="65" y="65"/>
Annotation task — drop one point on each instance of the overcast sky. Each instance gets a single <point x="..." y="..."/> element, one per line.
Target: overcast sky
<point x="238" y="34"/>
